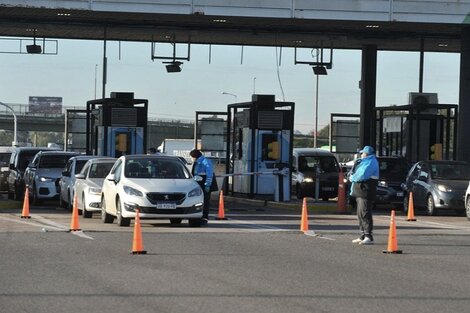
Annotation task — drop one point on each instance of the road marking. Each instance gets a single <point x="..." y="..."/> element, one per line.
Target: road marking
<point x="254" y="225"/>
<point x="435" y="224"/>
<point x="45" y="224"/>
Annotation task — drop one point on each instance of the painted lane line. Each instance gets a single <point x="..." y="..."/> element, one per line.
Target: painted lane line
<point x="31" y="223"/>
<point x="435" y="224"/>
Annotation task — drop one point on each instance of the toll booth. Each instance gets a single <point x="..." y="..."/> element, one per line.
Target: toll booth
<point x="117" y="125"/>
<point x="417" y="131"/>
<point x="259" y="145"/>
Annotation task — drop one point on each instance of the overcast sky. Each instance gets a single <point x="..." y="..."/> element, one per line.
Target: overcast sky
<point x="71" y="74"/>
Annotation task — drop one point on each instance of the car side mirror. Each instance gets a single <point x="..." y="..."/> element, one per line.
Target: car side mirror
<point x="423" y="178"/>
<point x="66" y="173"/>
<point x="294" y="169"/>
<point x="11" y="167"/>
<point x="79" y="176"/>
<point x="31" y="165"/>
<point x="198" y="178"/>
<point x="111" y="177"/>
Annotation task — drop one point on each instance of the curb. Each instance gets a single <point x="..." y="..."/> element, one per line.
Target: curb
<point x="315" y="207"/>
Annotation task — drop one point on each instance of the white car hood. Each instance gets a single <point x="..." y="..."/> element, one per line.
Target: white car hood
<point x="162" y="185"/>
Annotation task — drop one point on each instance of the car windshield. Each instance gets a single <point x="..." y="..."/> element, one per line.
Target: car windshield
<point x="392" y="168"/>
<point x="100" y="170"/>
<point x="165" y="168"/>
<point x="79" y="165"/>
<point x="450" y="171"/>
<point x="25" y="158"/>
<point x="326" y="163"/>
<point x="53" y="161"/>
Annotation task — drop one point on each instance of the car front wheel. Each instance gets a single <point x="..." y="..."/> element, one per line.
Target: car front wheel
<point x="467" y="207"/>
<point x="105" y="217"/>
<point x="298" y="192"/>
<point x="406" y="201"/>
<point x="431" y="208"/>
<point x="86" y="214"/>
<point x="121" y="221"/>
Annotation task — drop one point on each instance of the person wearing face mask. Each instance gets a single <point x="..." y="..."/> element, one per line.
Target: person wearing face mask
<point x="364" y="188"/>
<point x="203" y="167"/>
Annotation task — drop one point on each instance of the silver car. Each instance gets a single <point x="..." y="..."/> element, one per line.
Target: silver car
<point x="438" y="186"/>
<point x="43" y="173"/>
<point x="67" y="181"/>
<point x="88" y="184"/>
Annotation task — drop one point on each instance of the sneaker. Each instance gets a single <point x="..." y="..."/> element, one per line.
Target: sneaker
<point x="204" y="221"/>
<point x="357" y="240"/>
<point x="367" y="241"/>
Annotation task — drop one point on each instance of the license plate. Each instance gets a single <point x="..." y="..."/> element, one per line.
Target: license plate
<point x="400" y="194"/>
<point x="166" y="205"/>
<point x="328" y="188"/>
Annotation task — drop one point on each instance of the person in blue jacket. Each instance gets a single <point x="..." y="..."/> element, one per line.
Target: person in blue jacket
<point x="364" y="189"/>
<point x="203" y="167"/>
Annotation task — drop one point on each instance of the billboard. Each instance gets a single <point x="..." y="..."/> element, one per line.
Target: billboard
<point x="49" y="105"/>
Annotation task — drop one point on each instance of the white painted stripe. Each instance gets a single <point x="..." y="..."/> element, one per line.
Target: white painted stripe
<point x="435" y="224"/>
<point x="29" y="222"/>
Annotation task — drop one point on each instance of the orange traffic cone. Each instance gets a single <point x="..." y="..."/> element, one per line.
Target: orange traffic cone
<point x="221" y="213"/>
<point x="137" y="244"/>
<point x="304" y="219"/>
<point x="341" y="204"/>
<point x="25" y="213"/>
<point x="411" y="209"/>
<point x="74" y="224"/>
<point x="392" y="237"/>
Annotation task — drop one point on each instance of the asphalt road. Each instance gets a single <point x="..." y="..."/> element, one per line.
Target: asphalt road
<point x="256" y="261"/>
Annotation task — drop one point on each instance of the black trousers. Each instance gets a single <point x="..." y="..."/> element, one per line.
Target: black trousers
<point x="364" y="216"/>
<point x="207" y="201"/>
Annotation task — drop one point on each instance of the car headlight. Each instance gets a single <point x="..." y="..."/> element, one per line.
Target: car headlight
<point x="46" y="179"/>
<point x="444" y="188"/>
<point x="195" y="192"/>
<point x="308" y="180"/>
<point x="383" y="183"/>
<point x="132" y="192"/>
<point x="94" y="191"/>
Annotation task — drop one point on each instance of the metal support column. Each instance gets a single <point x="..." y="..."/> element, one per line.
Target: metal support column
<point x="368" y="95"/>
<point x="463" y="148"/>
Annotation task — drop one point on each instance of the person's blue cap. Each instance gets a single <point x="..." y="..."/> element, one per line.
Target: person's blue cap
<point x="367" y="149"/>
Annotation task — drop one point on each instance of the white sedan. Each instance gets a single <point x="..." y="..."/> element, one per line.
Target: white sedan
<point x="159" y="186"/>
<point x="89" y="182"/>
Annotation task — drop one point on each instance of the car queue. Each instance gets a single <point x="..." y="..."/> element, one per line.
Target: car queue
<point x="115" y="192"/>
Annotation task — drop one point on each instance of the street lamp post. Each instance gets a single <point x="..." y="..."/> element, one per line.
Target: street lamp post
<point x="316" y="114"/>
<point x="15" y="142"/>
<point x="231" y="94"/>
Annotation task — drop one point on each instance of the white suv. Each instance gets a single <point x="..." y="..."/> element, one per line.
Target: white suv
<point x="161" y="187"/>
<point x="43" y="173"/>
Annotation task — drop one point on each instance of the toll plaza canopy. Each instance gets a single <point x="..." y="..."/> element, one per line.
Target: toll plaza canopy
<point x="368" y="25"/>
<point x="388" y="24"/>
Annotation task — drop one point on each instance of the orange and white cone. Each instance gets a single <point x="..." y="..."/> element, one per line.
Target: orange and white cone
<point x="137" y="243"/>
<point x="221" y="213"/>
<point x="411" y="209"/>
<point x="74" y="224"/>
<point x="392" y="237"/>
<point x="304" y="218"/>
<point x="25" y="212"/>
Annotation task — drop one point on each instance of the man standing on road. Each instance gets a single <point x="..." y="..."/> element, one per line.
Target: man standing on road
<point x="203" y="167"/>
<point x="364" y="188"/>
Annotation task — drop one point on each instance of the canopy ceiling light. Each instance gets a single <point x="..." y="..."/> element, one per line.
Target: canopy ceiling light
<point x="319" y="70"/>
<point x="34" y="48"/>
<point x="173" y="67"/>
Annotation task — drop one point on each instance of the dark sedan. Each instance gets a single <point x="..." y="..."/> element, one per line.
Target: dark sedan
<point x="392" y="175"/>
<point x="438" y="185"/>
